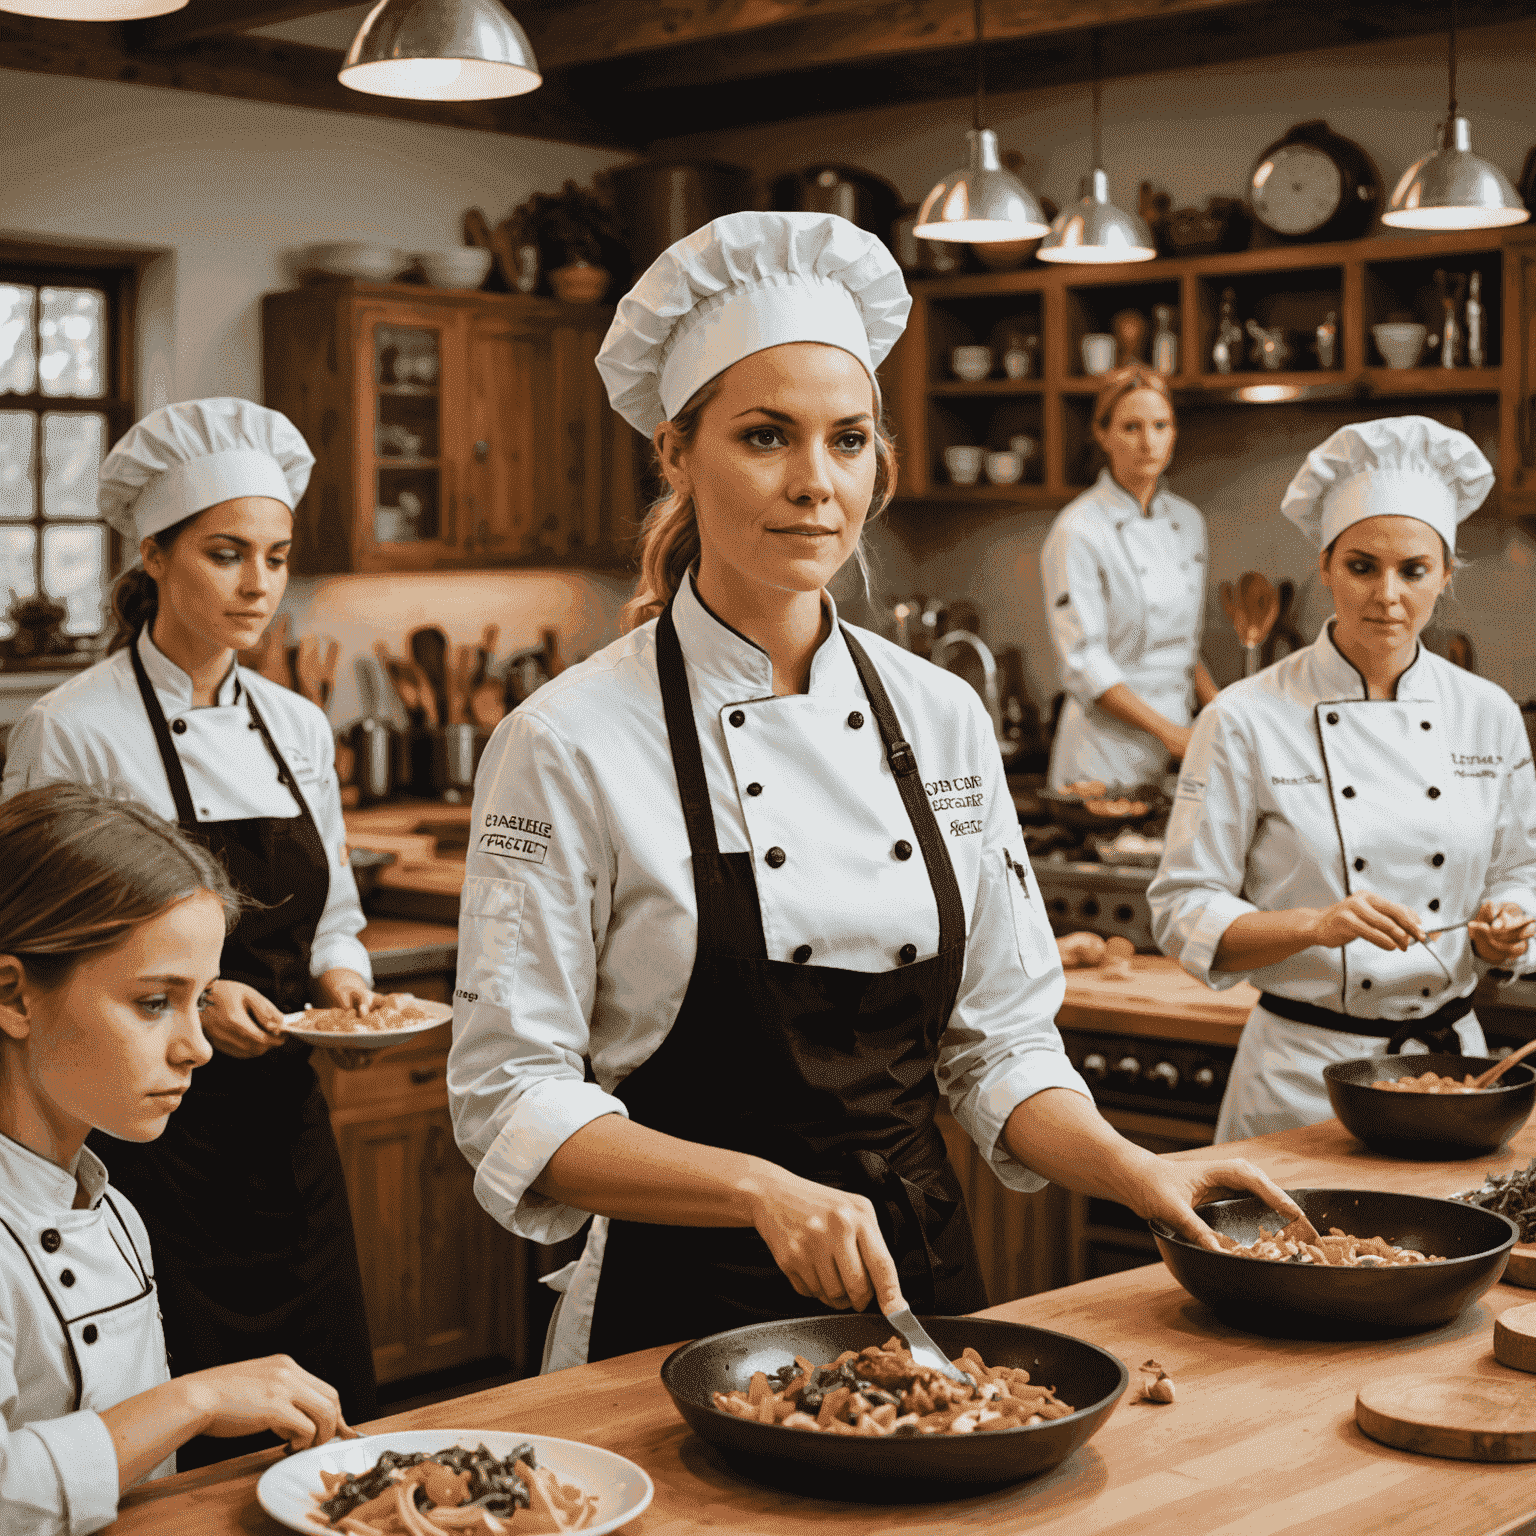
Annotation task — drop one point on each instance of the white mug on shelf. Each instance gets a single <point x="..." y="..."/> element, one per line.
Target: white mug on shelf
<point x="971" y="363"/>
<point x="963" y="464"/>
<point x="1098" y="353"/>
<point x="1004" y="468"/>
<point x="1024" y="446"/>
<point x="1016" y="363"/>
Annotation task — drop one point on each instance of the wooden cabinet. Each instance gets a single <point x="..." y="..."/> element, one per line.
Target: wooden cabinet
<point x="1517" y="431"/>
<point x="450" y="429"/>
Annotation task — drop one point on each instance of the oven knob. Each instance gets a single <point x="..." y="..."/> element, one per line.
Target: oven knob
<point x="1128" y="1068"/>
<point x="1204" y="1077"/>
<point x="1164" y="1075"/>
<point x="1095" y="1068"/>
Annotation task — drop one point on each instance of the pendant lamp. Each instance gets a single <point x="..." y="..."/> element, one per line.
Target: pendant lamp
<point x="92" y="10"/>
<point x="1095" y="231"/>
<point x="440" y="50"/>
<point x="982" y="202"/>
<point x="1453" y="188"/>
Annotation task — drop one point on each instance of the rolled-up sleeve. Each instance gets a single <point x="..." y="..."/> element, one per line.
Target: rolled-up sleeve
<point x="1512" y="866"/>
<point x="37" y="753"/>
<point x="1002" y="1045"/>
<point x="1196" y="894"/>
<point x="531" y="919"/>
<point x="1076" y="611"/>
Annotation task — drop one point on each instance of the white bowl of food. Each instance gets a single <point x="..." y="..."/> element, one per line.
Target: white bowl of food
<point x="395" y="1017"/>
<point x="354" y="258"/>
<point x="465" y="266"/>
<point x="1400" y="343"/>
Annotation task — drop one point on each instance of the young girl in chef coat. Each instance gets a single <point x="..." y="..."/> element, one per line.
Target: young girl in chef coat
<point x="1353" y="827"/>
<point x="111" y="926"/>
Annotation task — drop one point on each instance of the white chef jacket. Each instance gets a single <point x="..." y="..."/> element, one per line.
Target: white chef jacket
<point x="93" y="731"/>
<point x="1125" y="600"/>
<point x="578" y="924"/>
<point x="1296" y="791"/>
<point x="76" y="1294"/>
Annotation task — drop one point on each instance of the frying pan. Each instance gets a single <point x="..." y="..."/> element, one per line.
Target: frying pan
<point x="1429" y="1125"/>
<point x="894" y="1469"/>
<point x="1301" y="1300"/>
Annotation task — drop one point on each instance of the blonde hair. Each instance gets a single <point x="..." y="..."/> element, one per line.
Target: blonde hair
<point x="1126" y="381"/>
<point x="669" y="536"/>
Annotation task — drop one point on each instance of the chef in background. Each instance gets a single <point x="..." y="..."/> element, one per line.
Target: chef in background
<point x="1353" y="829"/>
<point x="243" y="1195"/>
<point x="1123" y="570"/>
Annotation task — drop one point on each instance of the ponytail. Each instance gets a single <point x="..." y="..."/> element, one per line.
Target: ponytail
<point x="135" y="597"/>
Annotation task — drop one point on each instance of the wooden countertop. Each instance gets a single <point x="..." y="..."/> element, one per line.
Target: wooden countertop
<point x="1160" y="1000"/>
<point x="1262" y="1440"/>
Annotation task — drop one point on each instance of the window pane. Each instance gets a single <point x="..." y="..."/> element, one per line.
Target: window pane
<point x="72" y="345"/>
<point x="17" y="493"/>
<point x="18" y="570"/>
<point x="74" y="564"/>
<point x="18" y="363"/>
<point x="72" y="450"/>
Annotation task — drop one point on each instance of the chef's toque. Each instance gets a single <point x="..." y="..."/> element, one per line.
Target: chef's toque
<point x="1402" y="466"/>
<point x="185" y="458"/>
<point x="742" y="284"/>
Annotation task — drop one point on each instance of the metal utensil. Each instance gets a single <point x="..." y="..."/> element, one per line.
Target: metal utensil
<point x="924" y="1351"/>
<point x="1492" y="1075"/>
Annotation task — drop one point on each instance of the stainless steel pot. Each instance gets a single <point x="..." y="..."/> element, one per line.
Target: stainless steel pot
<point x="374" y="769"/>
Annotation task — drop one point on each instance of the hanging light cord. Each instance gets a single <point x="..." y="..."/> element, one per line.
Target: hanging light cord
<point x="981" y="80"/>
<point x="1098" y="88"/>
<point x="1451" y="113"/>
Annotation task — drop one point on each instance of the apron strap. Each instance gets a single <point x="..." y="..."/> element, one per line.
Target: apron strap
<point x="687" y="758"/>
<point x="909" y="781"/>
<point x="168" y="758"/>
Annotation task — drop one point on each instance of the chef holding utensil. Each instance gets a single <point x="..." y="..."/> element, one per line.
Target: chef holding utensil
<point x="1353" y="829"/>
<point x="1123" y="569"/>
<point x="761" y="869"/>
<point x="243" y="1194"/>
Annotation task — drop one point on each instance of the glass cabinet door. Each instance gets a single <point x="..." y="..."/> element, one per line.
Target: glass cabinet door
<point x="407" y="434"/>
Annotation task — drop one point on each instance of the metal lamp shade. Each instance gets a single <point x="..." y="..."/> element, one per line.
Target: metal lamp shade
<point x="92" y="10"/>
<point x="1095" y="231"/>
<point x="440" y="50"/>
<point x="982" y="203"/>
<point x="1454" y="189"/>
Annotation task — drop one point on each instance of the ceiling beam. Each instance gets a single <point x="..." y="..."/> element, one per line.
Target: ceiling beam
<point x="200" y="19"/>
<point x="261" y="69"/>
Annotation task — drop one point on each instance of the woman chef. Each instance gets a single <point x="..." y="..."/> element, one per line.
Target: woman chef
<point x="1123" y="570"/>
<point x="1343" y="815"/>
<point x="243" y="1194"/>
<point x="760" y="869"/>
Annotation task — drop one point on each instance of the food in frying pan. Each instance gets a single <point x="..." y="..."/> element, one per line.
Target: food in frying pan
<point x="1336" y="1251"/>
<point x="1122" y="806"/>
<point x="394" y="1010"/>
<point x="1511" y="1194"/>
<point x="1086" y="789"/>
<point x="881" y="1390"/>
<point x="414" y="1493"/>
<point x="1428" y="1082"/>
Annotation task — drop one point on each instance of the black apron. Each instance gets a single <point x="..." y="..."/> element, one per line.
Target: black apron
<point x="825" y="1072"/>
<point x="243" y="1192"/>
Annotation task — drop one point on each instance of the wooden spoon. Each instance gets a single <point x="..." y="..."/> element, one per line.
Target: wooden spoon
<point x="1259" y="606"/>
<point x="404" y="676"/>
<point x="460" y="681"/>
<point x="1488" y="1078"/>
<point x="487" y="698"/>
<point x="429" y="650"/>
<point x="309" y="669"/>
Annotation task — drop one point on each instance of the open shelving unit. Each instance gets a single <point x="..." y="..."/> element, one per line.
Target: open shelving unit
<point x="1361" y="282"/>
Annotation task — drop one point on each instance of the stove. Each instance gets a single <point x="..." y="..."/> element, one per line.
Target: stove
<point x="1089" y="897"/>
<point x="1166" y="1079"/>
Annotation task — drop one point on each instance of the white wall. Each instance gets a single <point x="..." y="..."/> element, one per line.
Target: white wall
<point x="228" y="189"/>
<point x="1194" y="133"/>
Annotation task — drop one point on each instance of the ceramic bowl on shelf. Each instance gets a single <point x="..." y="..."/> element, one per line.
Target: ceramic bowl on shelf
<point x="464" y="266"/>
<point x="972" y="364"/>
<point x="1400" y="343"/>
<point x="354" y="258"/>
<point x="1005" y="468"/>
<point x="963" y="464"/>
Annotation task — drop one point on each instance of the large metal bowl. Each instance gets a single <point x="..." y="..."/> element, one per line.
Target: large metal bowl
<point x="899" y="1467"/>
<point x="1261" y="1296"/>
<point x="1429" y="1125"/>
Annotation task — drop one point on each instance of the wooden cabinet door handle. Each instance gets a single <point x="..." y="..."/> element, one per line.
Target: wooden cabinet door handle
<point x="422" y="1075"/>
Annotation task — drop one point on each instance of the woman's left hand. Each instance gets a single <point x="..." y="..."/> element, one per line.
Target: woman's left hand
<point x="1500" y="932"/>
<point x="341" y="988"/>
<point x="1169" y="1191"/>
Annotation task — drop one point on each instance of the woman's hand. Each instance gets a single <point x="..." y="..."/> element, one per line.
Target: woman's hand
<point x="1386" y="924"/>
<point x="1500" y="932"/>
<point x="275" y="1393"/>
<point x="826" y="1241"/>
<point x="1169" y="1191"/>
<point x="239" y="1021"/>
<point x="341" y="988"/>
<point x="1176" y="739"/>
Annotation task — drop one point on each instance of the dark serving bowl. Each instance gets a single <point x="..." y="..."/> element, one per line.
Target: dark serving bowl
<point x="889" y="1470"/>
<point x="1261" y="1296"/>
<point x="1429" y="1125"/>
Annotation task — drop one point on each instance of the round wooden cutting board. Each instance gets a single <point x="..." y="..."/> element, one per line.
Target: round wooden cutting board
<point x="1514" y="1337"/>
<point x="1521" y="1269"/>
<point x="1465" y="1418"/>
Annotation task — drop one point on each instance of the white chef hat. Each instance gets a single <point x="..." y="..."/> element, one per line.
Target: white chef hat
<point x="1401" y="466"/>
<point x="742" y="284"/>
<point x="184" y="458"/>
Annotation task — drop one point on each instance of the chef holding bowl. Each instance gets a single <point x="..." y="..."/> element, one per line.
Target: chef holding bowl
<point x="1123" y="572"/>
<point x="761" y="870"/>
<point x="1353" y="829"/>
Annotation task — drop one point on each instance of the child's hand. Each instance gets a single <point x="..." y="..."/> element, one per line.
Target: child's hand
<point x="274" y="1393"/>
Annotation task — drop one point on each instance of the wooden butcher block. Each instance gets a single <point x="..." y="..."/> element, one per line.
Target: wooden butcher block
<point x="1157" y="999"/>
<point x="1522" y="1266"/>
<point x="1463" y="1418"/>
<point x="1514" y="1338"/>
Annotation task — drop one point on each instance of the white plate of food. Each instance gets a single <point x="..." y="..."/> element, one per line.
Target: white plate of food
<point x="396" y="1016"/>
<point x="568" y="1486"/>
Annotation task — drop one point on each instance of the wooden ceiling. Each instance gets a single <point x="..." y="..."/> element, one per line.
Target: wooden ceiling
<point x="626" y="73"/>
